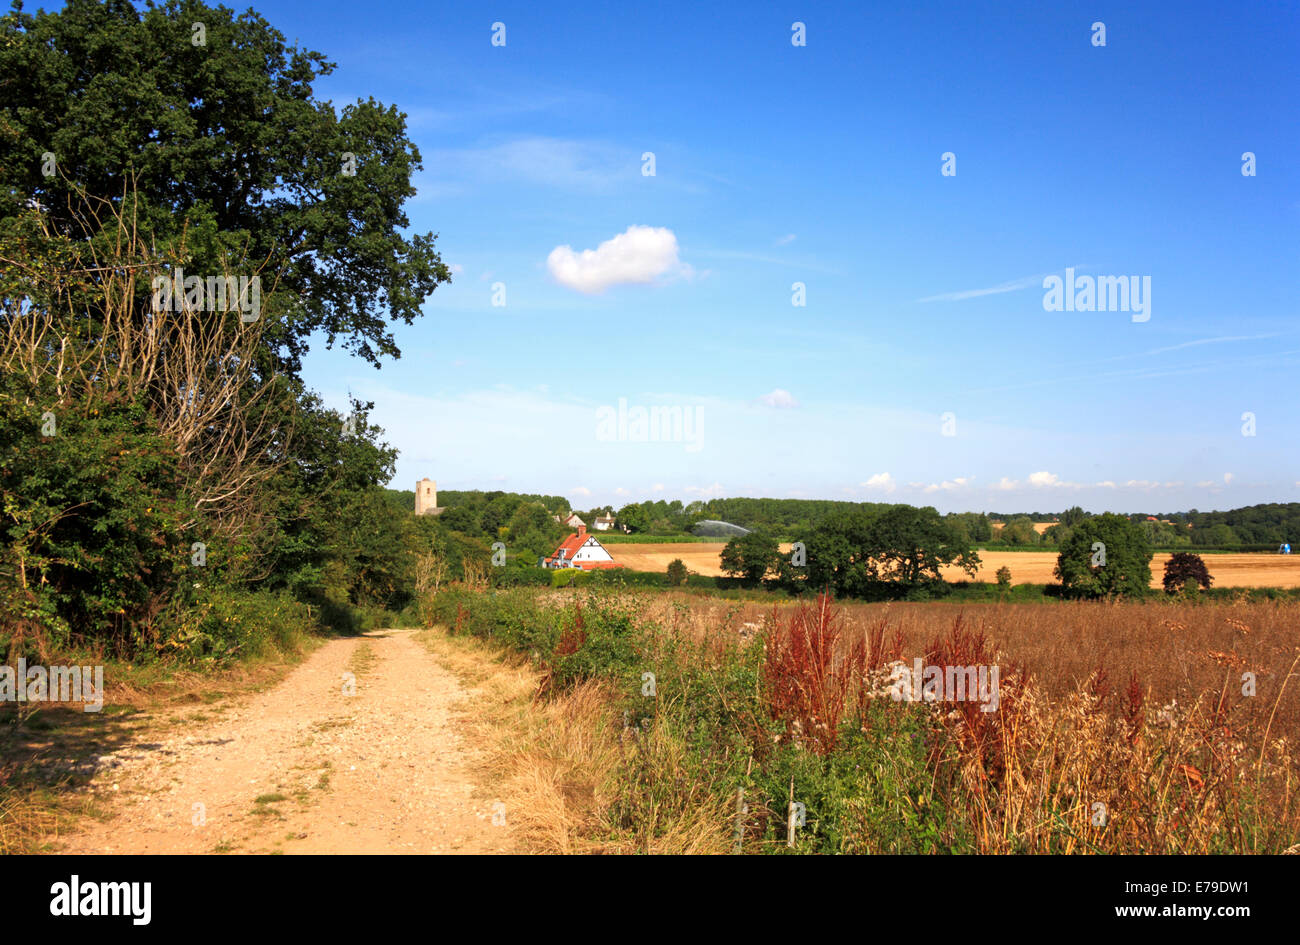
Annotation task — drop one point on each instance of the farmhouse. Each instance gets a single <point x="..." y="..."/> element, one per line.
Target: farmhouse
<point x="572" y="520"/>
<point x="604" y="522"/>
<point x="580" y="550"/>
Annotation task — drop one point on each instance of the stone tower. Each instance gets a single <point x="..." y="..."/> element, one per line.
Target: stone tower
<point x="426" y="498"/>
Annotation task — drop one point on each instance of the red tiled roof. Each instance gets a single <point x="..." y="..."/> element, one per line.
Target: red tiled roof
<point x="571" y="545"/>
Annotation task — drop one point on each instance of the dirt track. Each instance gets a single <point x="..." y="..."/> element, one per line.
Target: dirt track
<point x="304" y="768"/>
<point x="1027" y="567"/>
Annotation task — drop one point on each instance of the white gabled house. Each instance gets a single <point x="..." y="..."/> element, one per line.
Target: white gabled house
<point x="580" y="550"/>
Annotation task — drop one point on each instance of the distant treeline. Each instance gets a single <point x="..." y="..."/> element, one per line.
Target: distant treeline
<point x="480" y="513"/>
<point x="1258" y="526"/>
<point x="525" y="523"/>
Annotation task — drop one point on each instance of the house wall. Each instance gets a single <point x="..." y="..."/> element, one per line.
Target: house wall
<point x="592" y="551"/>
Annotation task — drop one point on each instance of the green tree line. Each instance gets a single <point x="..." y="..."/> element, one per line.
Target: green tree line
<point x="168" y="483"/>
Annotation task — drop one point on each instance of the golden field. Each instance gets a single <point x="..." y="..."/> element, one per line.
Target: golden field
<point x="1027" y="567"/>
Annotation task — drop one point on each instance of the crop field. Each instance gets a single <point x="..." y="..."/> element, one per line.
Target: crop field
<point x="1175" y="650"/>
<point x="1027" y="567"/>
<point x="1228" y="570"/>
<point x="1119" y="727"/>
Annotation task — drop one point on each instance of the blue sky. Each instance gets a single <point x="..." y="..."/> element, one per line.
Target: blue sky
<point x="821" y="164"/>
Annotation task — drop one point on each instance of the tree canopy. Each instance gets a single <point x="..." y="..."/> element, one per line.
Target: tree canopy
<point x="1105" y="555"/>
<point x="226" y="149"/>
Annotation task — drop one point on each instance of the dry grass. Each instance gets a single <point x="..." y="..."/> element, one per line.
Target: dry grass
<point x="543" y="760"/>
<point x="1087" y="762"/>
<point x="1076" y="775"/>
<point x="1177" y="651"/>
<point x="556" y="761"/>
<point x="30" y="815"/>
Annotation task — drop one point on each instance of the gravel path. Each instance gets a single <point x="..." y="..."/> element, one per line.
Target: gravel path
<point x="305" y="767"/>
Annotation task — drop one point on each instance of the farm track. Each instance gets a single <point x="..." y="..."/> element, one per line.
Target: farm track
<point x="304" y="768"/>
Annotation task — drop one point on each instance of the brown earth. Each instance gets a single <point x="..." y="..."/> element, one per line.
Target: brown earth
<point x="1027" y="567"/>
<point x="305" y="768"/>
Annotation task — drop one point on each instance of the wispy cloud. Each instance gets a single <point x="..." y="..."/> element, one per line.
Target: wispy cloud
<point x="780" y="399"/>
<point x="1222" y="339"/>
<point x="1014" y="285"/>
<point x="563" y="163"/>
<point x="1150" y="373"/>
<point x="708" y="492"/>
<point x="791" y="262"/>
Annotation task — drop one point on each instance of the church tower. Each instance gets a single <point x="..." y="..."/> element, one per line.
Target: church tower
<point x="426" y="497"/>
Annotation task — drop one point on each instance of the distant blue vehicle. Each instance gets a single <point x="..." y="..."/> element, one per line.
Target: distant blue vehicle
<point x="1285" y="549"/>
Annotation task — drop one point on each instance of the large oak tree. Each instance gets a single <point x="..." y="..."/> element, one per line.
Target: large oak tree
<point x="225" y="142"/>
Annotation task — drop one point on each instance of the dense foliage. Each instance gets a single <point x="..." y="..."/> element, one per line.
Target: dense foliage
<point x="163" y="469"/>
<point x="1105" y="555"/>
<point x="897" y="551"/>
<point x="1183" y="569"/>
<point x="751" y="556"/>
<point x="227" y="147"/>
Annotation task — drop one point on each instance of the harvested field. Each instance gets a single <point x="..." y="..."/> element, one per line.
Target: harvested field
<point x="1027" y="567"/>
<point x="700" y="557"/>
<point x="1229" y="570"/>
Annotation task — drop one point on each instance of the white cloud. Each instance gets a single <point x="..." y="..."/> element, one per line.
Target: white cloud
<point x="1006" y="485"/>
<point x="948" y="485"/>
<point x="883" y="481"/>
<point x="639" y="255"/>
<point x="707" y="491"/>
<point x="781" y="399"/>
<point x="1044" y="479"/>
<point x="621" y="491"/>
<point x="581" y="490"/>
<point x="1227" y="479"/>
<point x="657" y="487"/>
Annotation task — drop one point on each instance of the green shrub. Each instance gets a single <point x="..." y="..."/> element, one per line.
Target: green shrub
<point x="872" y="795"/>
<point x="223" y="625"/>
